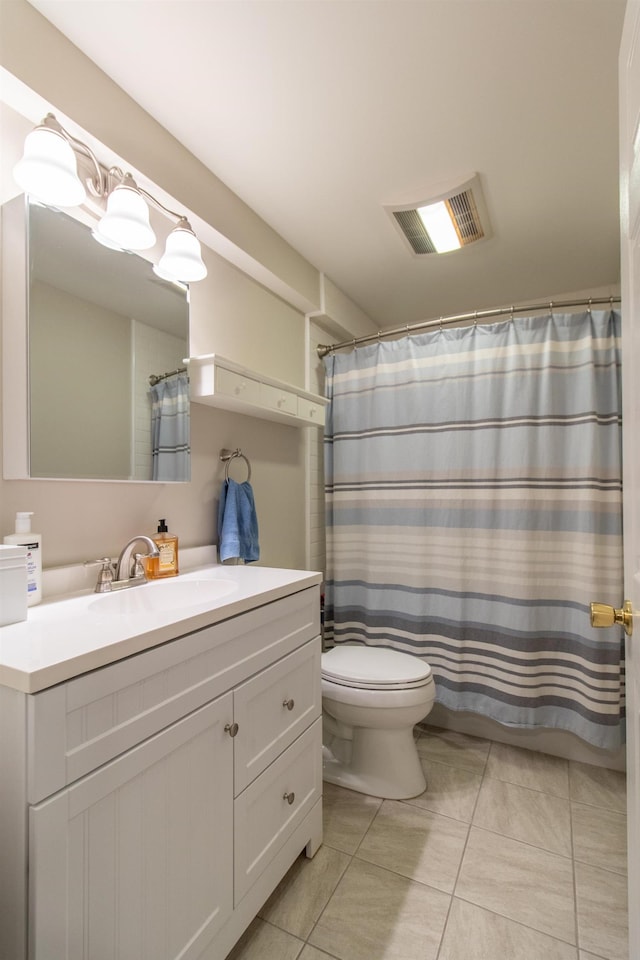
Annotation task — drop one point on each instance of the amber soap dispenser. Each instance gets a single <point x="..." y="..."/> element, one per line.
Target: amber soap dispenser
<point x="166" y="564"/>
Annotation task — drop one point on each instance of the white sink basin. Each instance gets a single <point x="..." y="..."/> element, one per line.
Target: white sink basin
<point x="160" y="596"/>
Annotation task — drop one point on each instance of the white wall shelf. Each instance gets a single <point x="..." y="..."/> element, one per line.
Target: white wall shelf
<point x="219" y="382"/>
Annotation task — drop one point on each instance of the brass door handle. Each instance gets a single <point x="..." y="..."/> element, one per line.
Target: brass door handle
<point x="602" y="615"/>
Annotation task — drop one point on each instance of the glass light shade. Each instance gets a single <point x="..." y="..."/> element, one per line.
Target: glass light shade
<point x="159" y="272"/>
<point x="182" y="258"/>
<point x="48" y="169"/>
<point x="126" y="222"/>
<point x="439" y="225"/>
<point x="105" y="242"/>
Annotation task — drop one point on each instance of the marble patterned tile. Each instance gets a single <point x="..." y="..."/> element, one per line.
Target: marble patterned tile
<point x="450" y="791"/>
<point x="456" y="749"/>
<point x="416" y="843"/>
<point x="346" y="816"/>
<point x="598" y="786"/>
<point x="262" y="941"/>
<point x="520" y="882"/>
<point x="522" y="814"/>
<point x="602" y="912"/>
<point x="377" y="915"/>
<point x="476" y="934"/>
<point x="302" y="895"/>
<point x="529" y="768"/>
<point x="599" y="837"/>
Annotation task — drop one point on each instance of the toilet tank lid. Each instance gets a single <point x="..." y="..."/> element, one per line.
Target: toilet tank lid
<point x="376" y="665"/>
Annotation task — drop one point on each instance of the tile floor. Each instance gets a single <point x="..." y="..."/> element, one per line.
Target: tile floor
<point x="508" y="855"/>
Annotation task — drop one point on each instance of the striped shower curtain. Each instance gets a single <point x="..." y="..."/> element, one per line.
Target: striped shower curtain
<point x="170" y="447"/>
<point x="473" y="480"/>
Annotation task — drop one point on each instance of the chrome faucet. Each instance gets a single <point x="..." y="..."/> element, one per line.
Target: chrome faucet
<point x="129" y="565"/>
<point x="127" y="571"/>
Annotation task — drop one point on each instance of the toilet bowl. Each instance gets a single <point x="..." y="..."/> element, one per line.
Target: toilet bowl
<point x="371" y="699"/>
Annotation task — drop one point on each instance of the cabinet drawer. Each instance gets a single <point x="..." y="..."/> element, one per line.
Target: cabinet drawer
<point x="272" y="807"/>
<point x="278" y="399"/>
<point x="274" y="708"/>
<point x="79" y="725"/>
<point x="235" y="385"/>
<point x="313" y="412"/>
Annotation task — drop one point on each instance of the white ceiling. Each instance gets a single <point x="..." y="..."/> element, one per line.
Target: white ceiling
<point x="319" y="112"/>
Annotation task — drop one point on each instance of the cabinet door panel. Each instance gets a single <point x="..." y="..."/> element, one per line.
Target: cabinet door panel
<point x="273" y="708"/>
<point x="133" y="861"/>
<point x="270" y="809"/>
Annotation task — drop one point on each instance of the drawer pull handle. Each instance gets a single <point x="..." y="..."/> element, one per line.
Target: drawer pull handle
<point x="289" y="797"/>
<point x="231" y="729"/>
<point x="289" y="704"/>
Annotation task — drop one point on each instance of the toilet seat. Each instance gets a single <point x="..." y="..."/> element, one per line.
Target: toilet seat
<point x="374" y="668"/>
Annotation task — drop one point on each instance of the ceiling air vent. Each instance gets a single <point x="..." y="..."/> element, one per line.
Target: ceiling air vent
<point x="448" y="220"/>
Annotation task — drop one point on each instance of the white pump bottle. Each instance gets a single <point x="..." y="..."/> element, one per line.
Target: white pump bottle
<point x="33" y="542"/>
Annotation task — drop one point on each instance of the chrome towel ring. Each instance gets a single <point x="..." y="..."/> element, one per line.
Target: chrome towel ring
<point x="228" y="455"/>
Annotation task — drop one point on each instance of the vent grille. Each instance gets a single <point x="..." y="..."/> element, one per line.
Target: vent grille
<point x="466" y="207"/>
<point x="413" y="228"/>
<point x="464" y="214"/>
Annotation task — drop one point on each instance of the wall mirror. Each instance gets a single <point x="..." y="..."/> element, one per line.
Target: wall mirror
<point x="99" y="324"/>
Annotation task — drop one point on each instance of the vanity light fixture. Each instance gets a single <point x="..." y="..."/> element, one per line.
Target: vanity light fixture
<point x="48" y="171"/>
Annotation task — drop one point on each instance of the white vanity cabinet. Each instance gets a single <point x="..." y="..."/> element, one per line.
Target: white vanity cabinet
<point x="166" y="794"/>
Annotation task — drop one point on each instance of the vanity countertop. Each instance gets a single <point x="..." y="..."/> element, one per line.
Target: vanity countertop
<point x="62" y="638"/>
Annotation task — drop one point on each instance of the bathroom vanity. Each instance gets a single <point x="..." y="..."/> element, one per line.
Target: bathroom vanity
<point x="160" y="764"/>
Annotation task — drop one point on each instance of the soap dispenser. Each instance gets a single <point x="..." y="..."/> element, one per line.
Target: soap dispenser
<point x="166" y="564"/>
<point x="23" y="537"/>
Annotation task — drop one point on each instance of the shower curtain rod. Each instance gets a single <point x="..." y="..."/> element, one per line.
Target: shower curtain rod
<point x="324" y="349"/>
<point x="157" y="377"/>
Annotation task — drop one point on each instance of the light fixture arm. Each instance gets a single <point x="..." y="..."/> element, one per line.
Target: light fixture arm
<point x="98" y="185"/>
<point x="180" y="218"/>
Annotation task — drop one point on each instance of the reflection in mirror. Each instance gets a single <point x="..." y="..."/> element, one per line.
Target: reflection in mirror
<point x="100" y="324"/>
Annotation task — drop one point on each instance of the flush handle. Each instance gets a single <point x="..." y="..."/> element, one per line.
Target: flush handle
<point x="602" y="615"/>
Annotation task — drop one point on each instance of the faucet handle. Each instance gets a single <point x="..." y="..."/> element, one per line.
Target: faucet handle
<point x="138" y="566"/>
<point x="105" y="577"/>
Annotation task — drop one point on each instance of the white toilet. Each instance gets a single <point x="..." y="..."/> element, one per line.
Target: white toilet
<point x="371" y="699"/>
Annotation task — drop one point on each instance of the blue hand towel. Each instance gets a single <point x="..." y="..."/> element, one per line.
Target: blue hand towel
<point x="237" y="522"/>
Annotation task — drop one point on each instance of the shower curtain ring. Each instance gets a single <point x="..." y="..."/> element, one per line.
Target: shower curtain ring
<point x="589" y="307"/>
<point x="551" y="308"/>
<point x="440" y="321"/>
<point x="511" y="311"/>
<point x="475" y="319"/>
